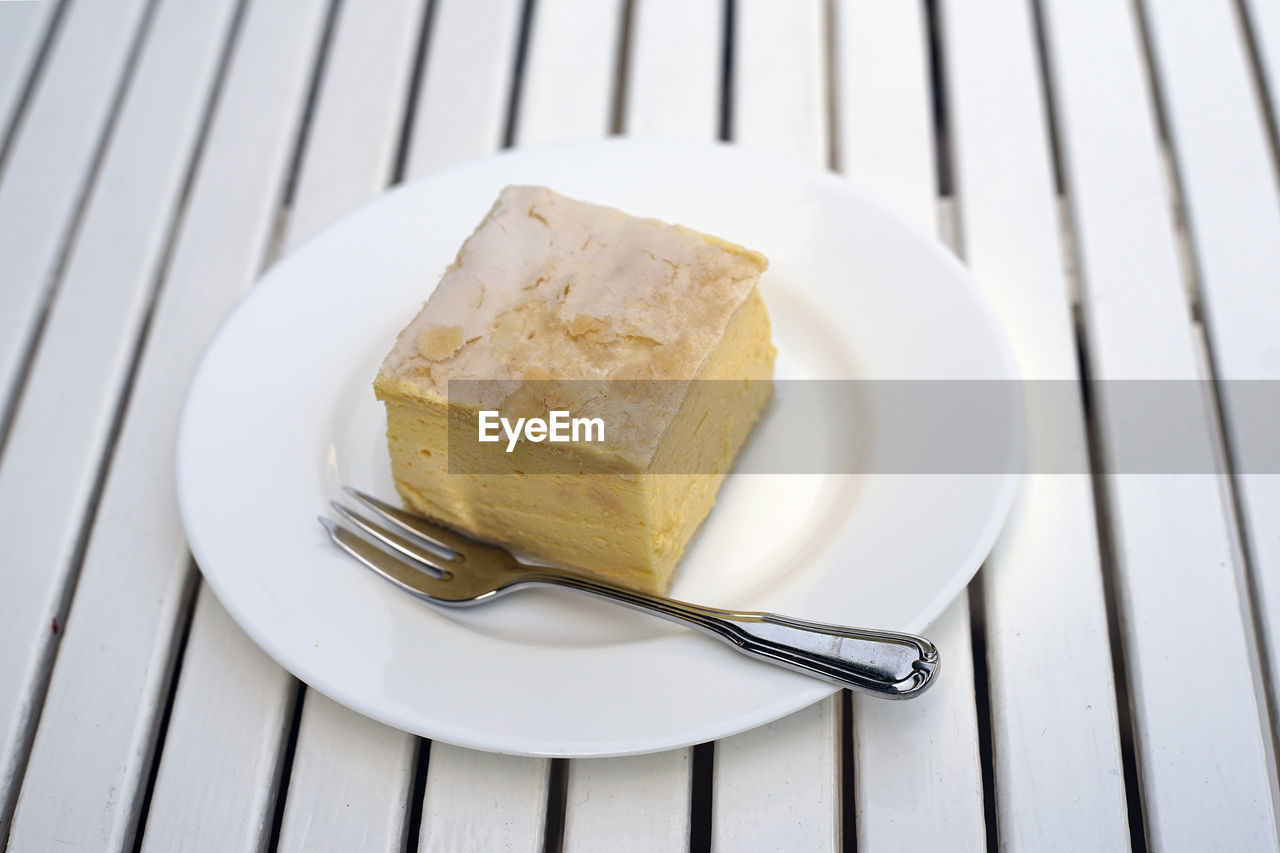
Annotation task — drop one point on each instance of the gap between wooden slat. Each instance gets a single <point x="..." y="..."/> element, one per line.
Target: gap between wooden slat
<point x="279" y="230"/>
<point x="557" y="795"/>
<point x="1069" y="260"/>
<point x="8" y="134"/>
<point x="284" y="766"/>
<point x="1266" y="96"/>
<point x="162" y="727"/>
<point x="848" y="780"/>
<point x="1188" y="256"/>
<point x="1046" y="94"/>
<point x="701" y="790"/>
<point x="982" y="700"/>
<point x="941" y="123"/>
<point x="832" y="73"/>
<point x="726" y="74"/>
<point x="308" y="112"/>
<point x="621" y="68"/>
<point x="417" y="796"/>
<point x="9" y="407"/>
<point x="416" y="71"/>
<point x="187" y="609"/>
<point x="517" y="73"/>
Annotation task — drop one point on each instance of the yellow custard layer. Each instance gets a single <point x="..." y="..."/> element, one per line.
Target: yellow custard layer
<point x="549" y="288"/>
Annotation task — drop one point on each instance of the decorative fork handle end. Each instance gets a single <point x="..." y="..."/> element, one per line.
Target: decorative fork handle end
<point x="887" y="664"/>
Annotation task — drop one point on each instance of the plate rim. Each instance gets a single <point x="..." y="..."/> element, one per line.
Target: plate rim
<point x="721" y="727"/>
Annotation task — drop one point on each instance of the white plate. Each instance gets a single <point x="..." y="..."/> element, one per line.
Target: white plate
<point x="281" y="412"/>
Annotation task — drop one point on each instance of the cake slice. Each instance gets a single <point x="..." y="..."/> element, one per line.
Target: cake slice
<point x="555" y="304"/>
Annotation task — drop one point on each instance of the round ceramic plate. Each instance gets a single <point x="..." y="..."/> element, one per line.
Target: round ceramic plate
<point x="281" y="413"/>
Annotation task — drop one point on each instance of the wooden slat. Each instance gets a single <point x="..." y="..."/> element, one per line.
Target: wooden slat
<point x="52" y="460"/>
<point x="779" y="99"/>
<point x="466" y="83"/>
<point x="674" y="76"/>
<point x="885" y="133"/>
<point x="1263" y="19"/>
<point x="917" y="773"/>
<point x="638" y="803"/>
<point x="569" y="74"/>
<point x="777" y="787"/>
<point x="355" y="132"/>
<point x="233" y="703"/>
<point x="215" y="789"/>
<point x="109" y="684"/>
<point x="483" y="801"/>
<point x="673" y="81"/>
<point x="351" y="782"/>
<point x="51" y="160"/>
<point x="917" y="779"/>
<point x="23" y="29"/>
<point x="1228" y="181"/>
<point x="1057" y="764"/>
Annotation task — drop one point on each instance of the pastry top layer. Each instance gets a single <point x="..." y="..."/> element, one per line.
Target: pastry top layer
<point x="549" y="287"/>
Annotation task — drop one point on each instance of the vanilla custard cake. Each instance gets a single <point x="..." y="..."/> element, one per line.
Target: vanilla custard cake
<point x="558" y="304"/>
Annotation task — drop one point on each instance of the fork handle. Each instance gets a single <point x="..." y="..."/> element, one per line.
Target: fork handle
<point x="882" y="663"/>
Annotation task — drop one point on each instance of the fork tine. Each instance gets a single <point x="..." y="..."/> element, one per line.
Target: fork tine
<point x="401" y="574"/>
<point x="435" y="534"/>
<point x="397" y="543"/>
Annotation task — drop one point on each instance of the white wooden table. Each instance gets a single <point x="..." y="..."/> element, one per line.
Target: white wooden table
<point x="1107" y="168"/>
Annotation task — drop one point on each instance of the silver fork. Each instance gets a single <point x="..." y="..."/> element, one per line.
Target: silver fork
<point x="443" y="566"/>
